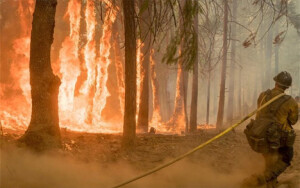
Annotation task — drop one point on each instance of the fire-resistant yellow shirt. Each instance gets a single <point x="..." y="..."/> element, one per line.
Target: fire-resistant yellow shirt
<point x="287" y="114"/>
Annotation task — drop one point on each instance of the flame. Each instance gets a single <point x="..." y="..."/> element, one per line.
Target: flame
<point x="156" y="120"/>
<point x="69" y="62"/>
<point x="120" y="73"/>
<point x="83" y="111"/>
<point x="14" y="112"/>
<point x="103" y="62"/>
<point x="90" y="59"/>
<point x="139" y="75"/>
<point x="177" y="122"/>
<point x="21" y="47"/>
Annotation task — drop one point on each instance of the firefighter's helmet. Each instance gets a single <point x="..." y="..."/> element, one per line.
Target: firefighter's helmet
<point x="283" y="79"/>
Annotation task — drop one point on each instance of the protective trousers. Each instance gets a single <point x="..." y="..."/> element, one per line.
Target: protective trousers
<point x="276" y="163"/>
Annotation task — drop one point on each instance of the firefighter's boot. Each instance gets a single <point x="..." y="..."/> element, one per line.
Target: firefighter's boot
<point x="273" y="172"/>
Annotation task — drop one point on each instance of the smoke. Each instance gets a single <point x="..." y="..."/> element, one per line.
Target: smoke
<point x="21" y="168"/>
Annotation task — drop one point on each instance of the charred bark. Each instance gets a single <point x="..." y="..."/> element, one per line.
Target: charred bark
<point x="143" y="114"/>
<point x="232" y="66"/>
<point x="129" y="125"/>
<point x="194" y="102"/>
<point x="208" y="94"/>
<point x="223" y="70"/>
<point x="43" y="131"/>
<point x="119" y="64"/>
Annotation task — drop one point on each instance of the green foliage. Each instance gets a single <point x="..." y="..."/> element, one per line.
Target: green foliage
<point x="185" y="38"/>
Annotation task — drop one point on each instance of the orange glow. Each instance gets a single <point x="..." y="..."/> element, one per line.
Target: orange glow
<point x="90" y="61"/>
<point x="177" y="122"/>
<point x="69" y="64"/>
<point x="139" y="76"/>
<point x="156" y="120"/>
<point x="120" y="74"/>
<point x="83" y="111"/>
<point x="15" y="112"/>
<point x="21" y="47"/>
<point x="102" y="66"/>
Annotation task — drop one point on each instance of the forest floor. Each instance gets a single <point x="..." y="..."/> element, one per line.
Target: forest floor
<point x="97" y="160"/>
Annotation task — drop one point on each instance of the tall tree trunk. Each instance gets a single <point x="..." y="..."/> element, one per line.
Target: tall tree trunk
<point x="240" y="92"/>
<point x="261" y="48"/>
<point x="268" y="58"/>
<point x="276" y="53"/>
<point x="185" y="94"/>
<point x="194" y="101"/>
<point x="178" y="120"/>
<point x="223" y="71"/>
<point x="184" y="76"/>
<point x="208" y="94"/>
<point x="43" y="131"/>
<point x="129" y="125"/>
<point x="232" y="66"/>
<point x="156" y="85"/>
<point x="276" y="59"/>
<point x="143" y="114"/>
<point x="119" y="63"/>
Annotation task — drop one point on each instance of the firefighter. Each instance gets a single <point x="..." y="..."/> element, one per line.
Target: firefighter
<point x="279" y="155"/>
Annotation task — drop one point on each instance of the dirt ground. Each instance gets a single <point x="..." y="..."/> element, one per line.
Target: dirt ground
<point x="97" y="160"/>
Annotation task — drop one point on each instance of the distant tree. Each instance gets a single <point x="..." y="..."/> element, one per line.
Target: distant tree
<point x="194" y="101"/>
<point x="43" y="131"/>
<point x="223" y="71"/>
<point x="232" y="64"/>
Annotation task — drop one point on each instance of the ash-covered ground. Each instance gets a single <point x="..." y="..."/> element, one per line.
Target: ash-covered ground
<point x="97" y="160"/>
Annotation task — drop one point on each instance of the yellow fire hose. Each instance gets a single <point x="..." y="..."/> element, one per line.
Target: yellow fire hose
<point x="201" y="145"/>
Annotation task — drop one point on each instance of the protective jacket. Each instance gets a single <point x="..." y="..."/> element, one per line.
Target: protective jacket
<point x="287" y="114"/>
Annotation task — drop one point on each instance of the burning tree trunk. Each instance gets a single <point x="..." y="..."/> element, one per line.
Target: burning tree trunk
<point x="178" y="120"/>
<point x="232" y="66"/>
<point x="119" y="61"/>
<point x="43" y="131"/>
<point x="130" y="73"/>
<point x="143" y="113"/>
<point x="194" y="102"/>
<point x="81" y="44"/>
<point x="223" y="71"/>
<point x="156" y="115"/>
<point x="185" y="90"/>
<point x="88" y="55"/>
<point x="208" y="93"/>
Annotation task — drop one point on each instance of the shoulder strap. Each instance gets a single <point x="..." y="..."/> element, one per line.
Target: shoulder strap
<point x="266" y="96"/>
<point x="282" y="100"/>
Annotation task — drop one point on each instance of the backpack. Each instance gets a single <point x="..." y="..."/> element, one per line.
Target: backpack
<point x="264" y="133"/>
